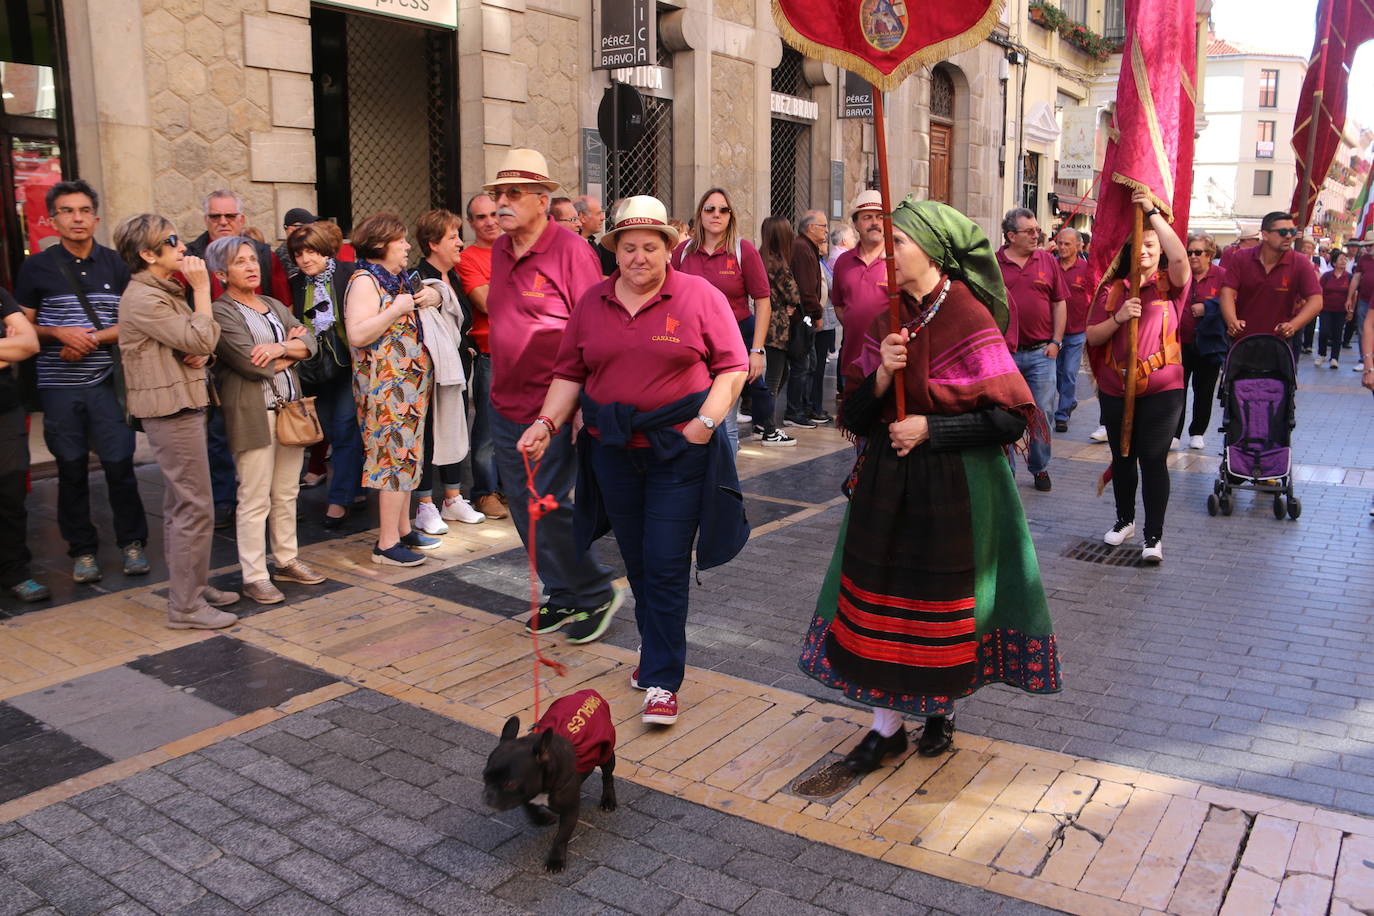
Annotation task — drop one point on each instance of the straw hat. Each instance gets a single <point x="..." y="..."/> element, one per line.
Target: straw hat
<point x="642" y="212"/>
<point x="867" y="200"/>
<point x="523" y="166"/>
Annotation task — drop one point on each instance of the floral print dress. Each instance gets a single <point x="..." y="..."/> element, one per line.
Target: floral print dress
<point x="391" y="382"/>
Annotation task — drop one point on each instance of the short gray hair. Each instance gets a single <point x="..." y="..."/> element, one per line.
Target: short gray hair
<point x="1076" y="234"/>
<point x="1013" y="217"/>
<point x="843" y="235"/>
<point x="221" y="251"/>
<point x="222" y="194"/>
<point x="809" y="218"/>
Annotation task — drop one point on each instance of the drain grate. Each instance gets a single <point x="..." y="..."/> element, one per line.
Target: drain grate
<point x="1104" y="554"/>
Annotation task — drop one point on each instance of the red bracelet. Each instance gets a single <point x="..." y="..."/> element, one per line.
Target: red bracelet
<point x="548" y="424"/>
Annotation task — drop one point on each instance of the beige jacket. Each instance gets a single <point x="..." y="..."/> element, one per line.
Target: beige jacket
<point x="156" y="329"/>
<point x="240" y="382"/>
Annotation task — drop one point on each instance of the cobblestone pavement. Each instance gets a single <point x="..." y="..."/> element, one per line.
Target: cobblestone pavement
<point x="325" y="756"/>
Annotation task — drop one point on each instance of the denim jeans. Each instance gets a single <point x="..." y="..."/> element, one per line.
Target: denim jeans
<point x="76" y="422"/>
<point x="1361" y="310"/>
<point x="339" y="417"/>
<point x="572" y="577"/>
<point x="1039" y="372"/>
<point x="485" y="478"/>
<point x="1066" y="368"/>
<point x="824" y="343"/>
<point x="800" y="359"/>
<point x="224" y="480"/>
<point x="654" y="507"/>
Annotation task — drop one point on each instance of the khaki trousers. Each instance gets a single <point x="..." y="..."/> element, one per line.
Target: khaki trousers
<point x="269" y="479"/>
<point x="188" y="517"/>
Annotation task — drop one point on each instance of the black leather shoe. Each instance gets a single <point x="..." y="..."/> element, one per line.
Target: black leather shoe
<point x="868" y="754"/>
<point x="334" y="521"/>
<point x="938" y="736"/>
<point x="1061" y="426"/>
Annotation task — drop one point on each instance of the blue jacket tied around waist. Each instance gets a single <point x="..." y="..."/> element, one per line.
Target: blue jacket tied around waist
<point x="723" y="529"/>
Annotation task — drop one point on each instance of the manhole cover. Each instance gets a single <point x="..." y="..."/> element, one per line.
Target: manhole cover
<point x="830" y="779"/>
<point x="1104" y="554"/>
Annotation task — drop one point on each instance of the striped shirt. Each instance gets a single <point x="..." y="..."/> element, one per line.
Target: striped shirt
<point x="43" y="287"/>
<point x="266" y="328"/>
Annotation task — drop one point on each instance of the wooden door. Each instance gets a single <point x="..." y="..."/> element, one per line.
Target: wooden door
<point x="941" y="183"/>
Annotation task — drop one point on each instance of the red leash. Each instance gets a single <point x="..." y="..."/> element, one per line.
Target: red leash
<point x="539" y="506"/>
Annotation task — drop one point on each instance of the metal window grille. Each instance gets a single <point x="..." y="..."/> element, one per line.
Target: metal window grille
<point x="442" y="110"/>
<point x="787" y="75"/>
<point x="1114" y="20"/>
<point x="941" y="95"/>
<point x="790" y="171"/>
<point x="1030" y="181"/>
<point x="647" y="167"/>
<point x="1077" y="10"/>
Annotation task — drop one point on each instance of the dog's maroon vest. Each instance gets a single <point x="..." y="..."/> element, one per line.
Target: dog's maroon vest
<point x="584" y="718"/>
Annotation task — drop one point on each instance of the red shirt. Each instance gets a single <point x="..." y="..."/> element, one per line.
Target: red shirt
<point x="1079" y="279"/>
<point x="1155" y="310"/>
<point x="1209" y="287"/>
<point x="673" y="346"/>
<point x="1266" y="299"/>
<point x="1334" y="291"/>
<point x="1032" y="290"/>
<point x="1365" y="268"/>
<point x="474" y="270"/>
<point x="528" y="307"/>
<point x="584" y="718"/>
<point x="859" y="294"/>
<point x="740" y="279"/>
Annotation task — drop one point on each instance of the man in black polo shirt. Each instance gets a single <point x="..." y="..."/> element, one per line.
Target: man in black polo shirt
<point x="71" y="294"/>
<point x="17" y="343"/>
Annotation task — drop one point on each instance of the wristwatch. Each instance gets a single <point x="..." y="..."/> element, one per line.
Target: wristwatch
<point x="759" y="351"/>
<point x="1058" y="343"/>
<point x="706" y="421"/>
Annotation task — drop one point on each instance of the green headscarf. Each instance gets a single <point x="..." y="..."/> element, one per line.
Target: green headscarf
<point x="959" y="247"/>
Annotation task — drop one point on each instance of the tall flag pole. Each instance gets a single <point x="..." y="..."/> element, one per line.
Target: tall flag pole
<point x="884" y="43"/>
<point x="1364" y="208"/>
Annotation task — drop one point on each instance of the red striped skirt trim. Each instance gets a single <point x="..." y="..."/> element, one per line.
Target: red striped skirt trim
<point x="905" y="604"/>
<point x="962" y="625"/>
<point x="902" y="653"/>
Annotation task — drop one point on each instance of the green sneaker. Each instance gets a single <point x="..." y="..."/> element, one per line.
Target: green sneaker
<point x="590" y="625"/>
<point x="135" y="561"/>
<point x="550" y="618"/>
<point x="29" y="590"/>
<point x="85" y="569"/>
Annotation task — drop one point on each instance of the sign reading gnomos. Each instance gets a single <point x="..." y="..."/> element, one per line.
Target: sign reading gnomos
<point x="443" y="13"/>
<point x="626" y="35"/>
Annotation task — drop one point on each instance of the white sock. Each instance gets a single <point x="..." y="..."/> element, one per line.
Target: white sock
<point x="886" y="722"/>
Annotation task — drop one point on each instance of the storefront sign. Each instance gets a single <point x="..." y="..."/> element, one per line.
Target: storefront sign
<point x="593" y="163"/>
<point x="443" y="13"/>
<point x="627" y="35"/>
<point x="792" y="106"/>
<point x="1078" y="143"/>
<point x="856" y="97"/>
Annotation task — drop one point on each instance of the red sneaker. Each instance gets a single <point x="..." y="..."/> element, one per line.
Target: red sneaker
<point x="660" y="707"/>
<point x="634" y="679"/>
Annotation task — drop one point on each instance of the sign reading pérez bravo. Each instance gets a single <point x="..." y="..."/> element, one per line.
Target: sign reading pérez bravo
<point x="626" y="35"/>
<point x="856" y="99"/>
<point x="428" y="12"/>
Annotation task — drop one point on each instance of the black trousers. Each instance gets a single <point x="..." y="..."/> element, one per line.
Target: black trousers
<point x="14" y="468"/>
<point x="1333" y="326"/>
<point x="1203" y="373"/>
<point x="1156" y="417"/>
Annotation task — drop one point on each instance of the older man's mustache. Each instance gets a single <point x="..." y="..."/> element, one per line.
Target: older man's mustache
<point x="504" y="211"/>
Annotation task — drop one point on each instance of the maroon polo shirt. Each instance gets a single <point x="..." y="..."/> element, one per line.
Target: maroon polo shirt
<point x="859" y="294"/>
<point x="1032" y="290"/>
<point x="739" y="278"/>
<point x="1159" y="321"/>
<point x="1365" y="268"/>
<point x="1335" y="290"/>
<point x="1208" y="287"/>
<point x="528" y="306"/>
<point x="673" y="346"/>
<point x="1079" y="280"/>
<point x="1265" y="300"/>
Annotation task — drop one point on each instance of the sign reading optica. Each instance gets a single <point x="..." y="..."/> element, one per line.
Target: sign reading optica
<point x="442" y="13"/>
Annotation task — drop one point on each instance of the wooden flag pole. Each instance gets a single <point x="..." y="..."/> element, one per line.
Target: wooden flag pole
<point x="893" y="293"/>
<point x="1309" y="180"/>
<point x="1128" y="407"/>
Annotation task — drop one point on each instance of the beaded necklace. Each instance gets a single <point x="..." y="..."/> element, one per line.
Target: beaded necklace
<point x="918" y="324"/>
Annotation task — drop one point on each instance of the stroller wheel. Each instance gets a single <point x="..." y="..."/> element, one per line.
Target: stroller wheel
<point x="1217" y="487"/>
<point x="1227" y="502"/>
<point x="1213" y="505"/>
<point x="1280" y="508"/>
<point x="1294" y="507"/>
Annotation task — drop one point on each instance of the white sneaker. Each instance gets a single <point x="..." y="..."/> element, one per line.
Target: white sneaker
<point x="427" y="519"/>
<point x="459" y="509"/>
<point x="1175" y="444"/>
<point x="1335" y="364"/>
<point x="1153" y="552"/>
<point x="1358" y="367"/>
<point x="1317" y="361"/>
<point x="1121" y="533"/>
<point x="1099" y="434"/>
<point x="743" y="417"/>
<point x="1196" y="442"/>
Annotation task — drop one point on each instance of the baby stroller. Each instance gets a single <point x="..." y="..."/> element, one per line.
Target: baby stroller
<point x="1258" y="382"/>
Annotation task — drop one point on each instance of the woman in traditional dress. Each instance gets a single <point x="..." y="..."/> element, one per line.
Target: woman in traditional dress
<point x="934" y="590"/>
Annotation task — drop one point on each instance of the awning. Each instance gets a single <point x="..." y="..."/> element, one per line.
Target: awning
<point x="1069" y="203"/>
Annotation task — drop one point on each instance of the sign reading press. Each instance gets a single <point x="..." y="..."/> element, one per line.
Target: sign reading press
<point x="442" y="13"/>
<point x="626" y="35"/>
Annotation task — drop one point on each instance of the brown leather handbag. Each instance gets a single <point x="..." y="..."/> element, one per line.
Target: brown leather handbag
<point x="298" y="423"/>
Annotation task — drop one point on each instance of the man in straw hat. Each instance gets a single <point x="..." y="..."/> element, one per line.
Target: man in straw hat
<point x="859" y="290"/>
<point x="538" y="272"/>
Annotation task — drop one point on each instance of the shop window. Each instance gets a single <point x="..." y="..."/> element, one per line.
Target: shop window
<point x="647" y="167"/>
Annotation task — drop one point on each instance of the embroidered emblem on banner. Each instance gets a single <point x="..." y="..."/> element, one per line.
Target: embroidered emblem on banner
<point x="884" y="23"/>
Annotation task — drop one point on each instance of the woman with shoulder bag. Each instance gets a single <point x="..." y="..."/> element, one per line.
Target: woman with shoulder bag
<point x="318" y="289"/>
<point x="260" y="343"/>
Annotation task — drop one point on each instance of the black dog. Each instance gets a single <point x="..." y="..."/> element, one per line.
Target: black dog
<point x="572" y="739"/>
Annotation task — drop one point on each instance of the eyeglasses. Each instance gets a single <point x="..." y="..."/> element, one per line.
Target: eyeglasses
<point x="220" y="217"/>
<point x="73" y="211"/>
<point x="511" y="194"/>
<point x="723" y="211"/>
<point x="565" y="219"/>
<point x="1196" y="252"/>
<point x="1032" y="230"/>
<point x="1286" y="233"/>
<point x="170" y="240"/>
